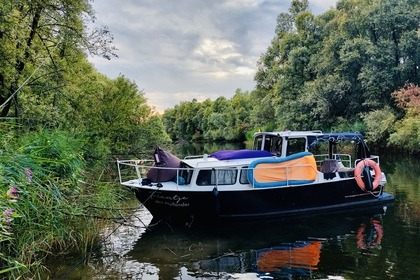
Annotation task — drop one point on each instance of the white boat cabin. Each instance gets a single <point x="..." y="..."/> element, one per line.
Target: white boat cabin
<point x="295" y="157"/>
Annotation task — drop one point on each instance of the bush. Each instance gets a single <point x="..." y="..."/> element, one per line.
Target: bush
<point x="380" y="123"/>
<point x="407" y="134"/>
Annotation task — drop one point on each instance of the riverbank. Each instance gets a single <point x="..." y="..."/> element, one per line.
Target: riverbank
<point x="52" y="202"/>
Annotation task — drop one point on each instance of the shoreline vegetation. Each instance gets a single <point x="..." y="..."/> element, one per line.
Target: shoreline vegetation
<point x="51" y="203"/>
<point x="353" y="68"/>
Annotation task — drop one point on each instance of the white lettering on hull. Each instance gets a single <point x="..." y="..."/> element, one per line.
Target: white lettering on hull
<point x="172" y="201"/>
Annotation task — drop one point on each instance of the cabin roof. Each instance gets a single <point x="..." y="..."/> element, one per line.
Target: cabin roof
<point x="211" y="162"/>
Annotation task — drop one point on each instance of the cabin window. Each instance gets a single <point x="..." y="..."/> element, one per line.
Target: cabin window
<point x="276" y="146"/>
<point x="243" y="177"/>
<point x="258" y="143"/>
<point x="267" y="144"/>
<point x="217" y="176"/>
<point x="296" y="145"/>
<point x="186" y="172"/>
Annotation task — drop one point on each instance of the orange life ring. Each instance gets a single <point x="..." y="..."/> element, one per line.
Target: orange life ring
<point x="359" y="170"/>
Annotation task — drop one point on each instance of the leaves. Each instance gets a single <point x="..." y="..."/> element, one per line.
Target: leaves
<point x="408" y="97"/>
<point x="342" y="64"/>
<point x="39" y="42"/>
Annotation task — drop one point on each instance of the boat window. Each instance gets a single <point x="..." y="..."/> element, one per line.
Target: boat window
<point x="186" y="172"/>
<point x="276" y="145"/>
<point x="258" y="143"/>
<point x="267" y="143"/>
<point x="296" y="145"/>
<point x="243" y="177"/>
<point x="217" y="176"/>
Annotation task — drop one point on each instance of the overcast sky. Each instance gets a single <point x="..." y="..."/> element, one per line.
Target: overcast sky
<point x="177" y="50"/>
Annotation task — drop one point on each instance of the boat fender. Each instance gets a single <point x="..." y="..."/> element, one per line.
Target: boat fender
<point x="216" y="201"/>
<point x="367" y="178"/>
<point x="363" y="176"/>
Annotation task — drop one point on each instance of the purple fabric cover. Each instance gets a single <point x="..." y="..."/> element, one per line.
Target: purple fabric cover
<point x="163" y="159"/>
<point x="238" y="154"/>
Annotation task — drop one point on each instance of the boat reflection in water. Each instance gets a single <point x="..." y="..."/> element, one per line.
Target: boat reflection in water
<point x="279" y="249"/>
<point x="299" y="258"/>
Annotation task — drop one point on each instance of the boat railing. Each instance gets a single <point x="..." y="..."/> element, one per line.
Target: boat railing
<point x="196" y="156"/>
<point x="127" y="167"/>
<point x="286" y="176"/>
<point x="280" y="175"/>
<point x="345" y="159"/>
<point x="138" y="169"/>
<point x="372" y="157"/>
<point x="234" y="175"/>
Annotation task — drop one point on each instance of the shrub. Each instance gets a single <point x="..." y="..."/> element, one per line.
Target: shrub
<point x="380" y="123"/>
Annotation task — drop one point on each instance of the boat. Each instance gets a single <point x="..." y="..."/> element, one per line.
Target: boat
<point x="285" y="174"/>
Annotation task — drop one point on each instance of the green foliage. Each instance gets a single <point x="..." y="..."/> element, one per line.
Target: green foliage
<point x="340" y="65"/>
<point x="407" y="130"/>
<point x="45" y="199"/>
<point x="342" y="124"/>
<point x="39" y="41"/>
<point x="115" y="118"/>
<point x="43" y="169"/>
<point x="43" y="48"/>
<point x="217" y="120"/>
<point x="407" y="134"/>
<point x="55" y="152"/>
<point x="379" y="124"/>
<point x="69" y="117"/>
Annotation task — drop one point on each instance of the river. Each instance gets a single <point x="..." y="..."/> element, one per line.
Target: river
<point x="367" y="244"/>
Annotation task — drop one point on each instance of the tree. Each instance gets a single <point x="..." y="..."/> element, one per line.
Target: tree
<point x="38" y="41"/>
<point x="116" y="115"/>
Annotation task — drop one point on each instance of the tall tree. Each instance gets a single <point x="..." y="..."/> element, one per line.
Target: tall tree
<point x="321" y="70"/>
<point x="38" y="39"/>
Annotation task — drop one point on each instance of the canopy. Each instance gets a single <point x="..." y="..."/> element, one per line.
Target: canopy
<point x="337" y="137"/>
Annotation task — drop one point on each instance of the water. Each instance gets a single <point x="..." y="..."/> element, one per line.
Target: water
<point x="368" y="244"/>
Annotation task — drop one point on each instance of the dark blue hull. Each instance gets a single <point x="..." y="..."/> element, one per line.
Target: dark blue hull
<point x="204" y="207"/>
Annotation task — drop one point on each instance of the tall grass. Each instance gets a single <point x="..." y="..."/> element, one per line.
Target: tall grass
<point x="45" y="200"/>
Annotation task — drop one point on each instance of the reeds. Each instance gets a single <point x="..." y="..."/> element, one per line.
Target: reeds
<point x="44" y="200"/>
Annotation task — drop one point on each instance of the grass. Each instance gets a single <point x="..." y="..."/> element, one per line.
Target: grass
<point x="46" y="201"/>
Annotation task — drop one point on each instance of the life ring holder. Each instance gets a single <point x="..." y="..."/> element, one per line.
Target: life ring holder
<point x="358" y="171"/>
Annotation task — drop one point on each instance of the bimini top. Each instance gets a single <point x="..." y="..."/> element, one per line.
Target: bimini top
<point x="340" y="136"/>
<point x="316" y="136"/>
<point x="337" y="137"/>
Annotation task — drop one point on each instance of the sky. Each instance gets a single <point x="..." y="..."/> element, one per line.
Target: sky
<point x="178" y="50"/>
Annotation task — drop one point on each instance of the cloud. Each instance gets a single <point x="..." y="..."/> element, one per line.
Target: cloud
<point x="179" y="50"/>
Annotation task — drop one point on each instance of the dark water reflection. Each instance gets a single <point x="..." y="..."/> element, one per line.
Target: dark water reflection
<point x="367" y="244"/>
<point x="282" y="249"/>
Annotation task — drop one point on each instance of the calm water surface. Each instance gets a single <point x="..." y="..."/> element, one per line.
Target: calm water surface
<point x="368" y="244"/>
